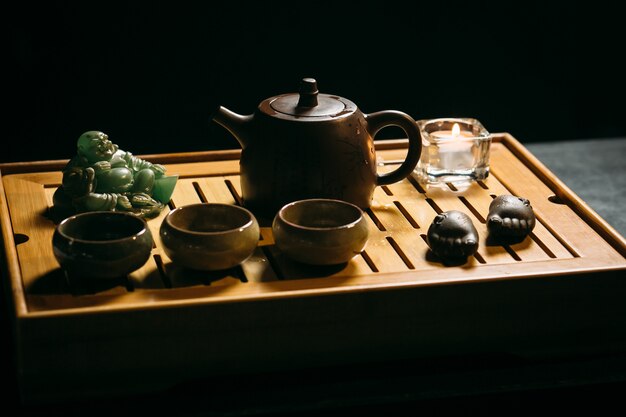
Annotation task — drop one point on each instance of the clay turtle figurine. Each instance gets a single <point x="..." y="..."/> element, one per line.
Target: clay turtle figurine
<point x="103" y="177"/>
<point x="510" y="217"/>
<point x="452" y="235"/>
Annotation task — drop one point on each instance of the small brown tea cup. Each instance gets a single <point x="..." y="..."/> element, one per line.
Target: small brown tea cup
<point x="209" y="236"/>
<point x="320" y="231"/>
<point x="102" y="244"/>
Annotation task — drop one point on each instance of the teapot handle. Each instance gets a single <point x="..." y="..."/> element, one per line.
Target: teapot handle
<point x="377" y="121"/>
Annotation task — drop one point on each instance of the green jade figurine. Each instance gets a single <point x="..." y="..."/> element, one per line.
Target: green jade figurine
<point x="103" y="177"/>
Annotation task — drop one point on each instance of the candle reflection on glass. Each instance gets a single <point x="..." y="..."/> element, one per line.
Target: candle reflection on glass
<point x="454" y="150"/>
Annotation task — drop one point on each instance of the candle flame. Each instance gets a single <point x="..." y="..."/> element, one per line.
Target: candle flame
<point x="456" y="130"/>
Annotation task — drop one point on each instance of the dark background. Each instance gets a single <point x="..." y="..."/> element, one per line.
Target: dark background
<point x="146" y="74"/>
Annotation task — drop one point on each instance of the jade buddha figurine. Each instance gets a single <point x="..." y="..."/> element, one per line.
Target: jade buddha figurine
<point x="102" y="177"/>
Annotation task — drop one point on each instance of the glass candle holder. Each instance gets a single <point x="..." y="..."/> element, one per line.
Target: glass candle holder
<point x="453" y="150"/>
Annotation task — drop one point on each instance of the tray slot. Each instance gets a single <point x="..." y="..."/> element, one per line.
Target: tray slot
<point x="400" y="252"/>
<point x="234" y="184"/>
<point x="199" y="191"/>
<point x="413" y="202"/>
<point x="380" y="251"/>
<point x="358" y="266"/>
<point x="482" y="185"/>
<point x="406" y="214"/>
<point x="472" y="209"/>
<point x="233" y="191"/>
<point x="368" y="260"/>
<point x="375" y="220"/>
<point x="401" y="234"/>
<point x="215" y="190"/>
<point x="416" y="184"/>
<point x="160" y="267"/>
<point x="382" y="256"/>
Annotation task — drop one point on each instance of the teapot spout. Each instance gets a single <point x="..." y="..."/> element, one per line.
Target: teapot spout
<point x="237" y="124"/>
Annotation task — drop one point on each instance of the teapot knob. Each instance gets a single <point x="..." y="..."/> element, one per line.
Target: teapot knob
<point x="308" y="93"/>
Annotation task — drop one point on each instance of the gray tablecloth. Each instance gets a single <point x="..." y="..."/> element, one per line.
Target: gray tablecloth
<point x="594" y="169"/>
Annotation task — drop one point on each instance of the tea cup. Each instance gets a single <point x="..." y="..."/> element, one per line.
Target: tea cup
<point x="209" y="236"/>
<point x="102" y="244"/>
<point x="320" y="231"/>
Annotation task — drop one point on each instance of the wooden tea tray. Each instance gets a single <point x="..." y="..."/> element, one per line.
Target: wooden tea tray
<point x="560" y="291"/>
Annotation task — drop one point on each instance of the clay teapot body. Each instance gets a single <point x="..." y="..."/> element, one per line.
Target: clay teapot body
<point x="311" y="145"/>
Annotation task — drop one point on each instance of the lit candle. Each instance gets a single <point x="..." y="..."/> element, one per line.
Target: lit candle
<point x="454" y="149"/>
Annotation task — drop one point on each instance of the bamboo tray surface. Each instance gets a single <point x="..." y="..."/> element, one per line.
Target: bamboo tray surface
<point x="568" y="238"/>
<point x="558" y="291"/>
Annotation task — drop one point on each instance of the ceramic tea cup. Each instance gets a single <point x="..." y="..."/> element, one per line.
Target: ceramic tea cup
<point x="209" y="236"/>
<point x="102" y="244"/>
<point x="320" y="231"/>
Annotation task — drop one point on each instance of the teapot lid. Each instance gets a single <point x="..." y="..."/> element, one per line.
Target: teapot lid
<point x="308" y="102"/>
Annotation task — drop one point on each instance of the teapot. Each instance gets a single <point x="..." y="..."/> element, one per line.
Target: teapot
<point x="310" y="145"/>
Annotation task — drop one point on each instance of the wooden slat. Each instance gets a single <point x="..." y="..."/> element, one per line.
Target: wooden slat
<point x="215" y="190"/>
<point x="392" y="208"/>
<point x="185" y="193"/>
<point x="582" y="209"/>
<point x="400" y="229"/>
<point x="574" y="234"/>
<point x="414" y="202"/>
<point x="379" y="249"/>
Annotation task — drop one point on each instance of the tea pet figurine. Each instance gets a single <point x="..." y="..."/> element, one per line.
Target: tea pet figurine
<point x="102" y="177"/>
<point x="452" y="235"/>
<point x="510" y="217"/>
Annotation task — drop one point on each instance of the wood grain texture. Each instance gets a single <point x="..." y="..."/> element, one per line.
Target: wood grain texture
<point x="397" y="297"/>
<point x="398" y="218"/>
